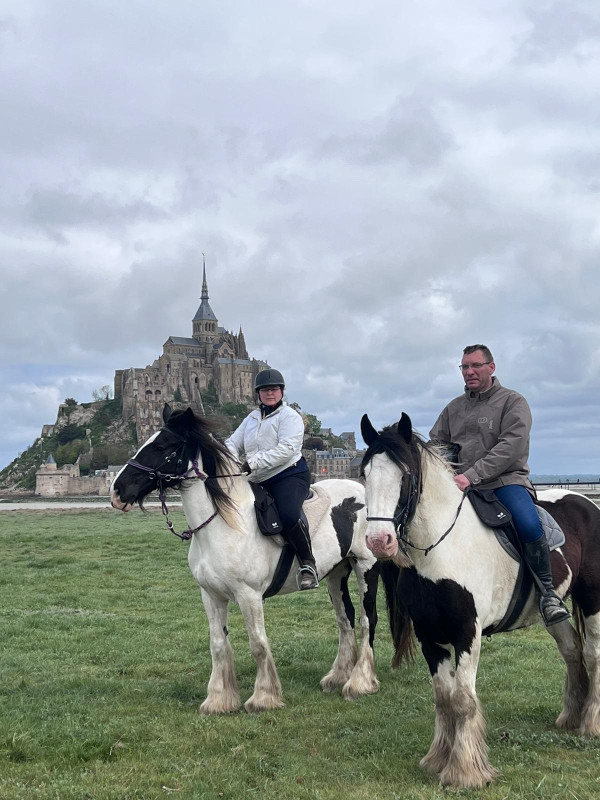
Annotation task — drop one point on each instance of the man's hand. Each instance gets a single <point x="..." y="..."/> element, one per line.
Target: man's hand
<point x="462" y="482"/>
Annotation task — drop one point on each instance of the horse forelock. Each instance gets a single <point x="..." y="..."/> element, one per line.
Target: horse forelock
<point x="405" y="455"/>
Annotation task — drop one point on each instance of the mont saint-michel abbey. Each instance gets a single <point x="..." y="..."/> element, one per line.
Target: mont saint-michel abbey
<point x="185" y="369"/>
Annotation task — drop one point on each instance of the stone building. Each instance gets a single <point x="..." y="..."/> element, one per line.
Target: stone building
<point x="186" y="368"/>
<point x="50" y="481"/>
<point x="334" y="463"/>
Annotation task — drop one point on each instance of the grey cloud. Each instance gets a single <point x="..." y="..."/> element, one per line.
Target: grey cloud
<point x="370" y="197"/>
<point x="557" y="29"/>
<point x="411" y="133"/>
<point x="57" y="208"/>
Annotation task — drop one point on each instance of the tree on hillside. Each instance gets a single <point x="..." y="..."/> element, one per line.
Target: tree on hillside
<point x="103" y="393"/>
<point x="70" y="401"/>
<point x="105" y="454"/>
<point x="69" y="433"/>
<point x="68" y="453"/>
<point x="312" y="424"/>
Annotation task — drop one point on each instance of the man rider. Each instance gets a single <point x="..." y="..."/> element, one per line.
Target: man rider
<point x="490" y="426"/>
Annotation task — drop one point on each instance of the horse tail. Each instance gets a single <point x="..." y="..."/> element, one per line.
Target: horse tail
<point x="401" y="627"/>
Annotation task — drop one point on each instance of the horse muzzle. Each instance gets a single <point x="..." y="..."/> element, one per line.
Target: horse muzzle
<point x="117" y="503"/>
<point x="382" y="544"/>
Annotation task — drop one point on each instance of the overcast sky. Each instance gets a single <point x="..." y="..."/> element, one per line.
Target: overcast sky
<point x="375" y="185"/>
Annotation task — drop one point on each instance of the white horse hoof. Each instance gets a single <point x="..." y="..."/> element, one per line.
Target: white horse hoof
<point x="266" y="704"/>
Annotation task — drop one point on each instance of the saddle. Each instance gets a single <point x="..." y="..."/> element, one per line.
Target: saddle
<point x="497" y="517"/>
<point x="269" y="523"/>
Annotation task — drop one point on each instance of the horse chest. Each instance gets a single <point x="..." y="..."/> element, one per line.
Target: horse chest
<point x="442" y="611"/>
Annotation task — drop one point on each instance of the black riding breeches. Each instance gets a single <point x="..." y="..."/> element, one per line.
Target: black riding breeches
<point x="289" y="493"/>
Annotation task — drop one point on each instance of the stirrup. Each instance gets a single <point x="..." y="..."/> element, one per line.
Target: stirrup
<point x="553" y="610"/>
<point x="309" y="572"/>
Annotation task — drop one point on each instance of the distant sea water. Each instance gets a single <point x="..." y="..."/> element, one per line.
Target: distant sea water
<point x="564" y="478"/>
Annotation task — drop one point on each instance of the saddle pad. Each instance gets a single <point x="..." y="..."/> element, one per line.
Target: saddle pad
<point x="554" y="533"/>
<point x="315" y="507"/>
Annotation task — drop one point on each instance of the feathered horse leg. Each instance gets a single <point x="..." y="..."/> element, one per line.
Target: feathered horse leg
<point x="468" y="765"/>
<point x="363" y="679"/>
<point x="347" y="654"/>
<point x="444" y="729"/>
<point x="223" y="695"/>
<point x="267" y="687"/>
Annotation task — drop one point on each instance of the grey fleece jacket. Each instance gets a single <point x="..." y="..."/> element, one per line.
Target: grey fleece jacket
<point x="492" y="430"/>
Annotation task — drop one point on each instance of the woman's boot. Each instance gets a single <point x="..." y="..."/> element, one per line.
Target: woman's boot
<point x="298" y="537"/>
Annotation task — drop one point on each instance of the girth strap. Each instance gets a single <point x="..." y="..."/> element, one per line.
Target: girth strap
<point x="282" y="570"/>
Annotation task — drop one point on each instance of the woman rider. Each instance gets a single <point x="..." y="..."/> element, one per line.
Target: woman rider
<point x="270" y="439"/>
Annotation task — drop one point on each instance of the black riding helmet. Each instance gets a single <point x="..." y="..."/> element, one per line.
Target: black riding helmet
<point x="268" y="377"/>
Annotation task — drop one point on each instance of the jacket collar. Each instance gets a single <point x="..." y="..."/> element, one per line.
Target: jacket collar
<point x="268" y="411"/>
<point x="484" y="395"/>
<point x="258" y="412"/>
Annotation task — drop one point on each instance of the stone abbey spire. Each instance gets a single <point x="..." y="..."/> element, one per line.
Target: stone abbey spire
<point x="212" y="360"/>
<point x="205" y="324"/>
<point x="241" y="345"/>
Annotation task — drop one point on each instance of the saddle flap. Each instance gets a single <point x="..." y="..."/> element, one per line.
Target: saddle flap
<point x="488" y="508"/>
<point x="267" y="516"/>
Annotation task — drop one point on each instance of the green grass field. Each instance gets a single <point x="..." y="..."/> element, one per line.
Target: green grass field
<point x="105" y="661"/>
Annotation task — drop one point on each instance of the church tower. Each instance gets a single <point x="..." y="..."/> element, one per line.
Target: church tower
<point x="205" y="325"/>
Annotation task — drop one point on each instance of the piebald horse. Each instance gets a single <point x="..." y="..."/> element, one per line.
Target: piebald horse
<point x="455" y="581"/>
<point x="233" y="562"/>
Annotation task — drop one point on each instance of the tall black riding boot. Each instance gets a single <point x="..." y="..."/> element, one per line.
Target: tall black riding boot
<point x="537" y="556"/>
<point x="298" y="537"/>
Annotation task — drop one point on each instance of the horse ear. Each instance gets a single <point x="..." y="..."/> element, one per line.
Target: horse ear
<point x="167" y="411"/>
<point x="369" y="433"/>
<point x="188" y="414"/>
<point x="405" y="428"/>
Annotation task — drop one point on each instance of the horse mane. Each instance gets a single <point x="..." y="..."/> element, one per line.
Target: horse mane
<point x="410" y="457"/>
<point x="216" y="459"/>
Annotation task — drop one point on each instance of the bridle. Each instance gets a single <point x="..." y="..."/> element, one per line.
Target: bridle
<point x="163" y="478"/>
<point x="405" y="511"/>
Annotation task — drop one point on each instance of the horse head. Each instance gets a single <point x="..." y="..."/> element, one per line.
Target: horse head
<point x="161" y="461"/>
<point x="392" y="471"/>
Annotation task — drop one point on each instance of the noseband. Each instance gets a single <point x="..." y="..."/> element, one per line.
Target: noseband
<point x="405" y="511"/>
<point x="164" y="477"/>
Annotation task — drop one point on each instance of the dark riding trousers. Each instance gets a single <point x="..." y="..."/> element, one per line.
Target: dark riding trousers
<point x="290" y="489"/>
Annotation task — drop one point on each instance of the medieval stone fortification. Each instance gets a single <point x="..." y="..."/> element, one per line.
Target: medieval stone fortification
<point x="211" y="357"/>
<point x="50" y="481"/>
<point x="185" y="369"/>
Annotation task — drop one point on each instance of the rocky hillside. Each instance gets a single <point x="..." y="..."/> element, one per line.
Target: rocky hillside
<point x="94" y="433"/>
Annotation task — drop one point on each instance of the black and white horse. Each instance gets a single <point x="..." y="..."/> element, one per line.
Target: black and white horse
<point x="456" y="581"/>
<point x="232" y="561"/>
